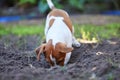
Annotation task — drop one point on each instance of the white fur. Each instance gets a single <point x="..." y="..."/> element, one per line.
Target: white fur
<point x="67" y="58"/>
<point x="53" y="59"/>
<point x="59" y="32"/>
<point x="51" y="5"/>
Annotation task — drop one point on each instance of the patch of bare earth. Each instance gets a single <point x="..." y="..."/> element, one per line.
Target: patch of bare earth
<point x="99" y="61"/>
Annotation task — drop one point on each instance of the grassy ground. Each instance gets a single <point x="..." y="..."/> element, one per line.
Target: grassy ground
<point x="96" y="33"/>
<point x="82" y="32"/>
<point x="21" y="30"/>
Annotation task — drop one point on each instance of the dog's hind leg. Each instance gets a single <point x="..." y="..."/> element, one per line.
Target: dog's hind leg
<point x="75" y="43"/>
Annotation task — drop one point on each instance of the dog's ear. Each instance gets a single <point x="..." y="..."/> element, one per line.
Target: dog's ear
<point x="40" y="50"/>
<point x="61" y="47"/>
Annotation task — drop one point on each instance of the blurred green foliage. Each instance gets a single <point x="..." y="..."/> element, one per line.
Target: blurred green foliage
<point x="27" y="1"/>
<point x="78" y="4"/>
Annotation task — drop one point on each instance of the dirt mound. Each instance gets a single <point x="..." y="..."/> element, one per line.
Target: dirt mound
<point x="89" y="62"/>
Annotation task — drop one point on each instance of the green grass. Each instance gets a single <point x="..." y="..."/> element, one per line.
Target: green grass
<point x="93" y="32"/>
<point x="84" y="32"/>
<point x="22" y="30"/>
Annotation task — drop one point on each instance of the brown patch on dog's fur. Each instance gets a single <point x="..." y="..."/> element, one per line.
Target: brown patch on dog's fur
<point x="58" y="52"/>
<point x="51" y="22"/>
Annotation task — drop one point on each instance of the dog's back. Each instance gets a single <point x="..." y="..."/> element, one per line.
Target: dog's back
<point x="59" y="32"/>
<point x="58" y="13"/>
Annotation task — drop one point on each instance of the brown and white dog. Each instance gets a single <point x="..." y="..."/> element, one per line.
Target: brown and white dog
<point x="59" y="37"/>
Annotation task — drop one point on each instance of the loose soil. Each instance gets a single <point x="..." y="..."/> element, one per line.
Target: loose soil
<point x="100" y="61"/>
<point x="18" y="61"/>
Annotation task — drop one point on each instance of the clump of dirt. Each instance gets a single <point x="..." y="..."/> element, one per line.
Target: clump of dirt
<point x="18" y="61"/>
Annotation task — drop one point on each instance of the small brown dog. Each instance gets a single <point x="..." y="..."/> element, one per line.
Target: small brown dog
<point x="59" y="37"/>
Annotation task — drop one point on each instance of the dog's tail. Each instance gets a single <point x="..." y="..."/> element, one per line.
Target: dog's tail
<point x="51" y="5"/>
